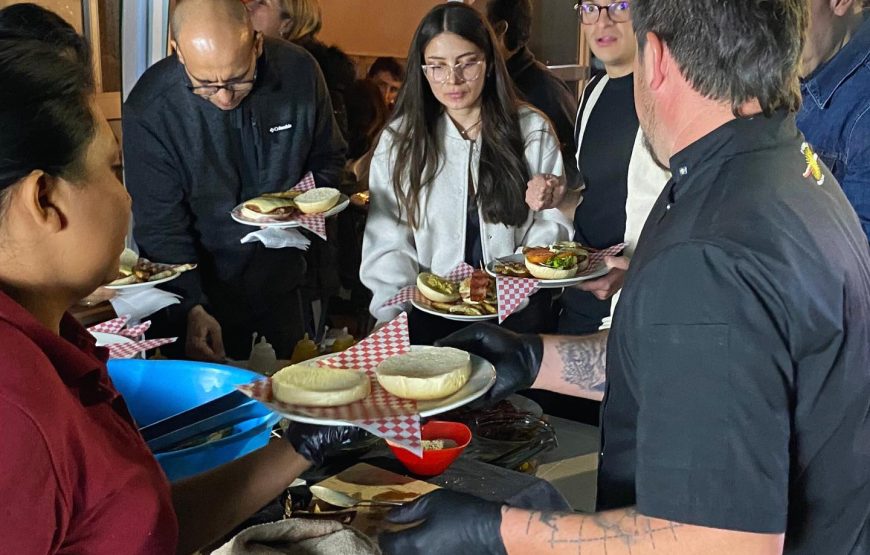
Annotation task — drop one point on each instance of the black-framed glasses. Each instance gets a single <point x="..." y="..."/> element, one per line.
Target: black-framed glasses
<point x="234" y="87"/>
<point x="588" y="13"/>
<point x="464" y="71"/>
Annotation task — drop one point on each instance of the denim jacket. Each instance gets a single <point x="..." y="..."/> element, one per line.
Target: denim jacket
<point x="835" y="118"/>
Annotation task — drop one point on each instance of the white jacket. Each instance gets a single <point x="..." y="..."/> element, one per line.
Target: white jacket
<point x="393" y="253"/>
<point x="646" y="180"/>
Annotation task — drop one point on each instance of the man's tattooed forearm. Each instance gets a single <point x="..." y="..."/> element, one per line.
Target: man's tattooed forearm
<point x="583" y="361"/>
<point x="625" y="527"/>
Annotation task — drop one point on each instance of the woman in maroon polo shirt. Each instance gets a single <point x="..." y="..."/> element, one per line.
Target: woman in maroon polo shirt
<point x="75" y="475"/>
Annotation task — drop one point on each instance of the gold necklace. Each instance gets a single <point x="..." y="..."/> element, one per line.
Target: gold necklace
<point x="464" y="131"/>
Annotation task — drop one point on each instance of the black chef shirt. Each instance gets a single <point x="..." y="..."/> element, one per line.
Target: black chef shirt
<point x="738" y="375"/>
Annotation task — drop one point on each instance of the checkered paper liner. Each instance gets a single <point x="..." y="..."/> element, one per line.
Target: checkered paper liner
<point x="127" y="350"/>
<point x="315" y="223"/>
<point x="112" y="326"/>
<point x="381" y="413"/>
<point x="410" y="293"/>
<point x="513" y="290"/>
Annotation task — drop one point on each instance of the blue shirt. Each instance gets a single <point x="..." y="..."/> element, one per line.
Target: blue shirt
<point x="835" y="118"/>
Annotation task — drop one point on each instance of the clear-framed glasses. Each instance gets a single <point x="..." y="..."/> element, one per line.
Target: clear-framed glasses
<point x="464" y="71"/>
<point x="588" y="13"/>
<point x="235" y="87"/>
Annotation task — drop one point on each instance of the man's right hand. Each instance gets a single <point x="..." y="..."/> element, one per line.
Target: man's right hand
<point x="517" y="358"/>
<point x="204" y="338"/>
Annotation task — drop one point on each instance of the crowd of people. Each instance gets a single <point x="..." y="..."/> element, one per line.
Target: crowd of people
<point x="729" y="345"/>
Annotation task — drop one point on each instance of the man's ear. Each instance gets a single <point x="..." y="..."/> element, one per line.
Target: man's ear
<point x="656" y="61"/>
<point x="174" y="46"/>
<point x="258" y="41"/>
<point x="842" y="7"/>
<point x="40" y="198"/>
<point x="500" y="28"/>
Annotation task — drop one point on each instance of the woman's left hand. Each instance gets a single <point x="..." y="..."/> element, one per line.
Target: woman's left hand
<point x="545" y="191"/>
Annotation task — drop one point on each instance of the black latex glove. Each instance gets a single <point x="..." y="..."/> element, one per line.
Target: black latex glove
<point x="452" y="523"/>
<point x="517" y="358"/>
<point x="314" y="442"/>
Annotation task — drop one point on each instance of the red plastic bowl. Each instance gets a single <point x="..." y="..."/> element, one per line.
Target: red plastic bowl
<point x="435" y="462"/>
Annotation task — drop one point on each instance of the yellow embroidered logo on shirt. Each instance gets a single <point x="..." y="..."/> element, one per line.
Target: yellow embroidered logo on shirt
<point x="814" y="169"/>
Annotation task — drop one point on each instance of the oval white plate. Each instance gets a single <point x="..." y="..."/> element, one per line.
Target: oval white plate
<point x="481" y="380"/>
<point x="593" y="272"/>
<point x="343" y="202"/>
<point x="463" y="317"/>
<point x="143" y="285"/>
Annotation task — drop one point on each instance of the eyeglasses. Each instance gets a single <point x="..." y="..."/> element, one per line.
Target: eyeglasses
<point x="589" y="13"/>
<point x="465" y="71"/>
<point x="234" y="88"/>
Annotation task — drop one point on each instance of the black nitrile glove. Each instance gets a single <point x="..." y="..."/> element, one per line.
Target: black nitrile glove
<point x="452" y="523"/>
<point x="314" y="442"/>
<point x="517" y="358"/>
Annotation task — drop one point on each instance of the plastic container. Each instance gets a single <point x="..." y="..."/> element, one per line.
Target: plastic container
<point x="434" y="462"/>
<point x="158" y="389"/>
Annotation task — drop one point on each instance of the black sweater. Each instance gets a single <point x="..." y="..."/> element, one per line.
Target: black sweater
<point x="187" y="164"/>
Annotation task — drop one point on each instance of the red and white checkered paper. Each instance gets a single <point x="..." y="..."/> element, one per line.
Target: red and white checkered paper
<point x="112" y="326"/>
<point x="410" y="293"/>
<point x="513" y="290"/>
<point x="381" y="413"/>
<point x="127" y="350"/>
<point x="315" y="223"/>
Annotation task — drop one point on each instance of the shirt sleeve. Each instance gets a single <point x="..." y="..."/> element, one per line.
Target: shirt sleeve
<point x="327" y="156"/>
<point x="34" y="513"/>
<point x="714" y="382"/>
<point x="163" y="225"/>
<point x="389" y="254"/>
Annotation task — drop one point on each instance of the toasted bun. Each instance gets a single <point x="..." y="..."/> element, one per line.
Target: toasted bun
<point x="429" y="373"/>
<point x="317" y="200"/>
<point x="316" y="386"/>
<point x="433" y="294"/>
<point x="545" y="272"/>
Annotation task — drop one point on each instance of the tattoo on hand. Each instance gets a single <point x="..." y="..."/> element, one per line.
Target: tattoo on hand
<point x="583" y="361"/>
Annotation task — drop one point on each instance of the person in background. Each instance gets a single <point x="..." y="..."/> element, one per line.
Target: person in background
<point x="449" y="175"/>
<point x="736" y="410"/>
<point x="388" y="74"/>
<point x="835" y="117"/>
<point x="299" y="21"/>
<point x="75" y="473"/>
<point x="512" y="22"/>
<point x="229" y="116"/>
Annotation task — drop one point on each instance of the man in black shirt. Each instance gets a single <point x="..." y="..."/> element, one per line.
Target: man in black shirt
<point x="512" y="22"/>
<point x="736" y="417"/>
<point x="228" y="117"/>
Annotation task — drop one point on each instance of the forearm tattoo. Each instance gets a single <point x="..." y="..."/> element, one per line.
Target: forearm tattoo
<point x="583" y="361"/>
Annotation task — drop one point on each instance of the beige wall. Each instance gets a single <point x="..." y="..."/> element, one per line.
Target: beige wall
<point x="372" y="27"/>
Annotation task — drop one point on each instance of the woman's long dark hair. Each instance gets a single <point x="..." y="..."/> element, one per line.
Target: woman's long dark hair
<point x="418" y="150"/>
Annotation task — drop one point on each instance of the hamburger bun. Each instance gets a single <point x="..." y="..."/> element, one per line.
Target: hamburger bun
<point x="317" y="386"/>
<point x="318" y="200"/>
<point x="424" y="374"/>
<point x="262" y="208"/>
<point x="436" y="288"/>
<point x="545" y="272"/>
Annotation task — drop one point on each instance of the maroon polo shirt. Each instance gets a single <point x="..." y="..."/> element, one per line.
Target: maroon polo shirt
<point x="75" y="475"/>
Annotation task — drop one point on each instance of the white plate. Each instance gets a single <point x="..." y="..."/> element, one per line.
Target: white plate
<point x="106" y="339"/>
<point x="343" y="203"/>
<point x="481" y="380"/>
<point x="143" y="285"/>
<point x="463" y="317"/>
<point x="592" y="272"/>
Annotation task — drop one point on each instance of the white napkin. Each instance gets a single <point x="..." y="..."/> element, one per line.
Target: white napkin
<point x="278" y="238"/>
<point x="140" y="304"/>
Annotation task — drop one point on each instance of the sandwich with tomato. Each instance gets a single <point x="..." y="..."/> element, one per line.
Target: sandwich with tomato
<point x="562" y="260"/>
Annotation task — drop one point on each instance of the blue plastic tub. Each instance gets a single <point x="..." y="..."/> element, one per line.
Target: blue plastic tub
<point x="158" y="389"/>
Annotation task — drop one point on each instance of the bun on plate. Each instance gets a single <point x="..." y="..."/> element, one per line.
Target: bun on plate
<point x="317" y="200"/>
<point x="428" y="373"/>
<point x="546" y="263"/>
<point x="262" y="208"/>
<point x="317" y="386"/>
<point x="436" y="288"/>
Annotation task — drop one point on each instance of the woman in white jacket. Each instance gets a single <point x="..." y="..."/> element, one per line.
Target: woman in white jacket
<point x="448" y="177"/>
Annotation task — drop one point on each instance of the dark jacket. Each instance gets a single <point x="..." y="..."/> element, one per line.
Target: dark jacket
<point x="187" y="164"/>
<point x="339" y="72"/>
<point x="546" y="92"/>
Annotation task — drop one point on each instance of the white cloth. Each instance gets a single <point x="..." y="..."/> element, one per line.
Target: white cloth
<point x="278" y="238"/>
<point x="646" y="180"/>
<point x="394" y="253"/>
<point x="138" y="304"/>
<point x="298" y="536"/>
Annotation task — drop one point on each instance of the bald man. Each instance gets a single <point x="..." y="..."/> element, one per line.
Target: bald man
<point x="229" y="116"/>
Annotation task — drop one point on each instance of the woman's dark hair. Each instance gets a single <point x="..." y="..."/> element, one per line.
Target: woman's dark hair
<point x="417" y="148"/>
<point x="46" y="81"/>
<point x="367" y="113"/>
